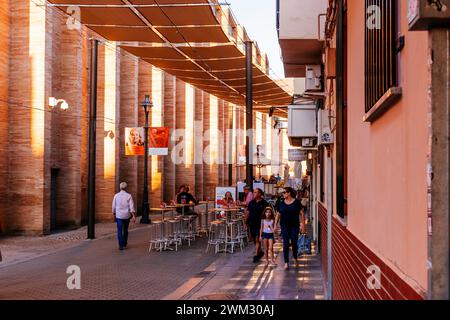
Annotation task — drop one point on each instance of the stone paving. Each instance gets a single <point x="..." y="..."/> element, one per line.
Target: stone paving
<point x="241" y="279"/>
<point x="35" y="268"/>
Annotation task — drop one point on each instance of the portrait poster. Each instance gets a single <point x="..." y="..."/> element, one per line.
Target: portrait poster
<point x="220" y="194"/>
<point x="134" y="141"/>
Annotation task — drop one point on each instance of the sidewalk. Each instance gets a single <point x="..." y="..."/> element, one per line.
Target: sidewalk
<point x="15" y="249"/>
<point x="241" y="279"/>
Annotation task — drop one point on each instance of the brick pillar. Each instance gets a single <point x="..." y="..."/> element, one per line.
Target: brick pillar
<point x="169" y="121"/>
<point x="29" y="136"/>
<point x="4" y="85"/>
<point x="144" y="88"/>
<point x="210" y="124"/>
<point x="129" y="108"/>
<point x="157" y="116"/>
<point x="242" y="138"/>
<point x="185" y="169"/>
<point x="226" y="145"/>
<point x="220" y="155"/>
<point x="198" y="144"/>
<point x="66" y="131"/>
<point x="107" y="130"/>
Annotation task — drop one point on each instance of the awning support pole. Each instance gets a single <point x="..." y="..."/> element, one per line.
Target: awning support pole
<point x="92" y="139"/>
<point x="249" y="112"/>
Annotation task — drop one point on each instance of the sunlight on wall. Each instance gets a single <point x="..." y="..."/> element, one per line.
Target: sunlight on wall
<point x="268" y="138"/>
<point x="189" y="127"/>
<point x="213" y="127"/>
<point x="258" y="128"/>
<point x="37" y="71"/>
<point x="156" y="121"/>
<point x="110" y="100"/>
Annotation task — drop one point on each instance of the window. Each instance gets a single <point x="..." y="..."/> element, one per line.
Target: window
<point x="380" y="55"/>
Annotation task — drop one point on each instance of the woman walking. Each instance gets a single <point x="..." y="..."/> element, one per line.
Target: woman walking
<point x="290" y="215"/>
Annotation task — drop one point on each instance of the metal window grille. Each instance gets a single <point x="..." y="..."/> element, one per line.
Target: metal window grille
<point x="380" y="49"/>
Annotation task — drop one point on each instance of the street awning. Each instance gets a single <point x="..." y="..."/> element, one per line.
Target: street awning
<point x="198" y="41"/>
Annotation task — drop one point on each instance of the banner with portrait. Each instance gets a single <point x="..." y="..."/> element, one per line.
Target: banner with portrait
<point x="134" y="141"/>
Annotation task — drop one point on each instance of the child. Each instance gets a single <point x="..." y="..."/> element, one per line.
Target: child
<point x="267" y="233"/>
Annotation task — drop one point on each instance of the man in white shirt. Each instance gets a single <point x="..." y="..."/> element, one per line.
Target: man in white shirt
<point x="123" y="210"/>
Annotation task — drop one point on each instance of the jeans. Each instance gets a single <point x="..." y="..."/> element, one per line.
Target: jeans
<point x="122" y="231"/>
<point x="289" y="234"/>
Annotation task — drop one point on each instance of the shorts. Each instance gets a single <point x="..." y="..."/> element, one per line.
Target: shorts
<point x="268" y="236"/>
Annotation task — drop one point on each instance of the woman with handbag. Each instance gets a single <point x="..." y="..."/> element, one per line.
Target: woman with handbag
<point x="291" y="217"/>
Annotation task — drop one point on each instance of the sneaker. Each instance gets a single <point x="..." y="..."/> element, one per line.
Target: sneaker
<point x="286" y="266"/>
<point x="297" y="263"/>
<point x="255" y="259"/>
<point x="120" y="248"/>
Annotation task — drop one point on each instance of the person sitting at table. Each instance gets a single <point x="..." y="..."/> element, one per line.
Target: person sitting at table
<point x="186" y="198"/>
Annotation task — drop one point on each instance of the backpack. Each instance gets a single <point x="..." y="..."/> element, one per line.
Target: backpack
<point x="304" y="245"/>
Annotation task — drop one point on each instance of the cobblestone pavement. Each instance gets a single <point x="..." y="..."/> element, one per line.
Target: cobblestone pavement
<point x="106" y="272"/>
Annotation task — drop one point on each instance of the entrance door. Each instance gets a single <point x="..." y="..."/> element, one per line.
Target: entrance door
<point x="53" y="203"/>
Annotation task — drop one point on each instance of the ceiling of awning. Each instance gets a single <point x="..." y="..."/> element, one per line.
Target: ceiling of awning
<point x="186" y="38"/>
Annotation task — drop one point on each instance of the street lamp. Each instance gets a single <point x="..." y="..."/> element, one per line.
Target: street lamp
<point x="147" y="105"/>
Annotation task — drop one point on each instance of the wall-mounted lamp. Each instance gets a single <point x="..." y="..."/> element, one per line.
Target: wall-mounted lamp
<point x="53" y="102"/>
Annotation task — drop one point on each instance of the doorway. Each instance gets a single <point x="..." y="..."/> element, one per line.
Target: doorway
<point x="53" y="199"/>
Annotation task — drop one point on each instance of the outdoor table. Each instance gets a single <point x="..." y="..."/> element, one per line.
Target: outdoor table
<point x="162" y="210"/>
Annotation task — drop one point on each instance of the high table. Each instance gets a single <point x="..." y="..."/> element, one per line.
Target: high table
<point x="228" y="227"/>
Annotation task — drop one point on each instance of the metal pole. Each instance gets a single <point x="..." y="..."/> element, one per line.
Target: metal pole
<point x="249" y="111"/>
<point x="92" y="139"/>
<point x="145" y="202"/>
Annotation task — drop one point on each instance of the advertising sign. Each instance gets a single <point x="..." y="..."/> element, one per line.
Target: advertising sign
<point x="220" y="195"/>
<point x="134" y="141"/>
<point x="297" y="155"/>
<point x="158" y="141"/>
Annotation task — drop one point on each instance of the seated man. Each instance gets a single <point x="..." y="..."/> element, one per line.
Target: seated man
<point x="184" y="197"/>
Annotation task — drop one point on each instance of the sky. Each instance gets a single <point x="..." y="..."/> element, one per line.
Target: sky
<point x="259" y="19"/>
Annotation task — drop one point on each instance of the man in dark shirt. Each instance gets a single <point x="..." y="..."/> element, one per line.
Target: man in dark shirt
<point x="184" y="197"/>
<point x="255" y="211"/>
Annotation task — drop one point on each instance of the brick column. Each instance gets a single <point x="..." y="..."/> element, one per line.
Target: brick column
<point x="169" y="121"/>
<point x="221" y="153"/>
<point x="210" y="167"/>
<point x="66" y="130"/>
<point x="107" y="130"/>
<point x="157" y="116"/>
<point x="185" y="169"/>
<point x="129" y="108"/>
<point x="29" y="123"/>
<point x="198" y="144"/>
<point x="4" y="85"/>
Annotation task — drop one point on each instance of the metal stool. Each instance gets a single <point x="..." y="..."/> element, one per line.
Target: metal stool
<point x="216" y="235"/>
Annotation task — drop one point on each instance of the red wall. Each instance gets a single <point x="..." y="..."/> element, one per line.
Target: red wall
<point x="351" y="258"/>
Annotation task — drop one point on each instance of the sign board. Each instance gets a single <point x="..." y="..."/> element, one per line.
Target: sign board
<point x="424" y="14"/>
<point x="134" y="141"/>
<point x="158" y="141"/>
<point x="220" y="194"/>
<point x="297" y="155"/>
<point x="259" y="185"/>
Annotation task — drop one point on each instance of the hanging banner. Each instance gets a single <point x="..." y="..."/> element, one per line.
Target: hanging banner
<point x="134" y="141"/>
<point x="158" y="141"/>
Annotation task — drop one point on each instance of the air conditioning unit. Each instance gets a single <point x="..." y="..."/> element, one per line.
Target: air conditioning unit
<point x="326" y="137"/>
<point x="301" y="124"/>
<point x="313" y="78"/>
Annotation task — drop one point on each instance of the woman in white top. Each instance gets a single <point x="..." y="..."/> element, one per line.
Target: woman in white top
<point x="267" y="233"/>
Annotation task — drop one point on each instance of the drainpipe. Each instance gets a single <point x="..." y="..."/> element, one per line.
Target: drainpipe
<point x="438" y="182"/>
<point x="329" y="225"/>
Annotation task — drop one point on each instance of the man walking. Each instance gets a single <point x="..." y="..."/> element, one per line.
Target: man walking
<point x="255" y="211"/>
<point x="123" y="210"/>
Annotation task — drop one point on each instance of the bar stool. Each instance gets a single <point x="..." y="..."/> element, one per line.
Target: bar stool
<point x="156" y="237"/>
<point x="234" y="237"/>
<point x="216" y="235"/>
<point x="174" y="237"/>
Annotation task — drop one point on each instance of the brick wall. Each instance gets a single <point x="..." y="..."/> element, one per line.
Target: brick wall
<point x="170" y="116"/>
<point x="351" y="258"/>
<point x="4" y="85"/>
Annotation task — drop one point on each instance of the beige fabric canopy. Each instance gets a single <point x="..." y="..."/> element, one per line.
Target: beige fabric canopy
<point x="196" y="40"/>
